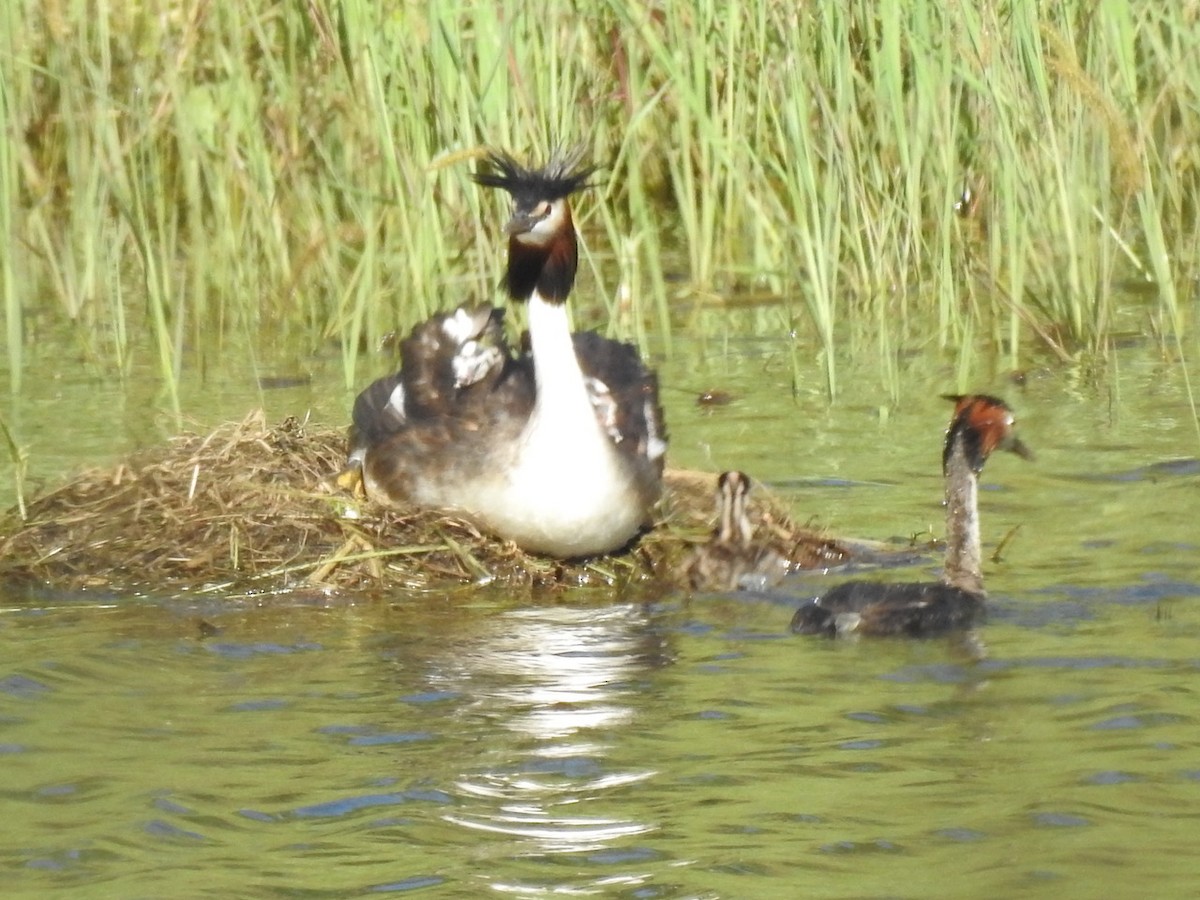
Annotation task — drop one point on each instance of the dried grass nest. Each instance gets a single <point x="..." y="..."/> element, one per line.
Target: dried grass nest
<point x="251" y="508"/>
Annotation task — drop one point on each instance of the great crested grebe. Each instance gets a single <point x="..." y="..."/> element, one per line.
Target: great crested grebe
<point x="560" y="449"/>
<point x="733" y="559"/>
<point x="981" y="424"/>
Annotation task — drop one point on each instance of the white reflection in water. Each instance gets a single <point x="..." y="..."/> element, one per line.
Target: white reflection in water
<point x="560" y="669"/>
<point x="558" y="677"/>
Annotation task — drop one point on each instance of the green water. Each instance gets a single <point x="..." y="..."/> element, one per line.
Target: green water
<point x="467" y="743"/>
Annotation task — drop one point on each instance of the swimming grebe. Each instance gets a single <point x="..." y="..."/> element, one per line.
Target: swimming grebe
<point x="733" y="559"/>
<point x="560" y="449"/>
<point x="981" y="424"/>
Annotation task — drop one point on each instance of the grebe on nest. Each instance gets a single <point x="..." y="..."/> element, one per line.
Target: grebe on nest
<point x="981" y="424"/>
<point x="560" y="449"/>
<point x="733" y="559"/>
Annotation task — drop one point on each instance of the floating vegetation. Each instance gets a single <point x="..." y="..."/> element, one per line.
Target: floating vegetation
<point x="251" y="508"/>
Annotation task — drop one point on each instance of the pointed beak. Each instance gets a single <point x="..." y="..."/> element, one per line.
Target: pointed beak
<point x="1017" y="446"/>
<point x="520" y="223"/>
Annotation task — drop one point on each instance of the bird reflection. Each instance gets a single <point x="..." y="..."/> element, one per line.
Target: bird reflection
<point x="561" y="670"/>
<point x="561" y="678"/>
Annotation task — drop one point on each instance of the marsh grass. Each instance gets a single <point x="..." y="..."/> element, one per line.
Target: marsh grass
<point x="20" y="466"/>
<point x="172" y="174"/>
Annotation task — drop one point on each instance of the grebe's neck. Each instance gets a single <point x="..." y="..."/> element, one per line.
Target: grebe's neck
<point x="561" y="389"/>
<point x="541" y="271"/>
<point x="726" y="527"/>
<point x="964" y="555"/>
<point x="744" y="529"/>
<point x="981" y="425"/>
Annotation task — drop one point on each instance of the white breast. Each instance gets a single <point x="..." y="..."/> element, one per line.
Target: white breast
<point x="569" y="492"/>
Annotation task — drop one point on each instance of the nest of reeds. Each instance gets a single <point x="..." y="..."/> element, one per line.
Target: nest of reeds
<point x="251" y="508"/>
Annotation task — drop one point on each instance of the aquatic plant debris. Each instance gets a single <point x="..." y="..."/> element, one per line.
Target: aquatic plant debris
<point x="251" y="508"/>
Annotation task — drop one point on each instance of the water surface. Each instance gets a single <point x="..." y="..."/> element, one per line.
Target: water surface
<point x="466" y="743"/>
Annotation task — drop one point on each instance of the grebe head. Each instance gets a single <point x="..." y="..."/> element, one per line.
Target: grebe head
<point x="733" y="524"/>
<point x="981" y="424"/>
<point x="542" y="248"/>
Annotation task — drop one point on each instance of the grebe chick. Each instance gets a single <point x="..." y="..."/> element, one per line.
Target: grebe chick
<point x="981" y="424"/>
<point x="733" y="559"/>
<point x="559" y="449"/>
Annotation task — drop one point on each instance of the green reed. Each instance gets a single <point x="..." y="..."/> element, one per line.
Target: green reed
<point x="19" y="459"/>
<point x="13" y="318"/>
<point x="173" y="175"/>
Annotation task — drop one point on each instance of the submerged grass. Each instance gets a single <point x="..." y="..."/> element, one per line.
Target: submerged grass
<point x="186" y="171"/>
